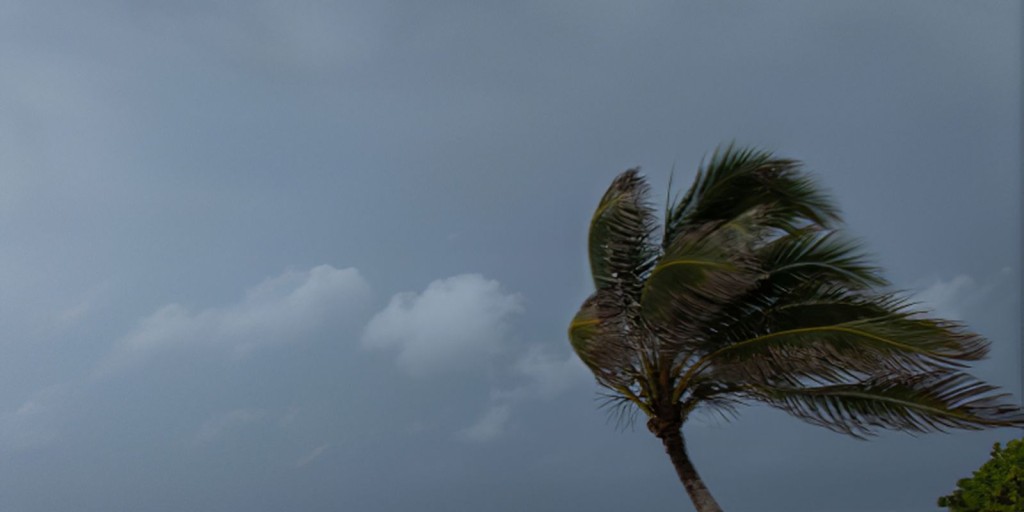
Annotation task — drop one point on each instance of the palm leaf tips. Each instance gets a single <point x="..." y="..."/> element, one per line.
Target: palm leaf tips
<point x="918" y="403"/>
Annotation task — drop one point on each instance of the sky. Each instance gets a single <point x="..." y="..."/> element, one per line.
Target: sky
<point x="321" y="256"/>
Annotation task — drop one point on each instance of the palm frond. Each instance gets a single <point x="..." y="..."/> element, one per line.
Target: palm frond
<point x="737" y="180"/>
<point x="811" y="254"/>
<point x="902" y="339"/>
<point x="835" y="336"/>
<point x="700" y="273"/>
<point x="620" y="249"/>
<point x="794" y="268"/>
<point x="918" y="403"/>
<point x="715" y="396"/>
<point x="599" y="336"/>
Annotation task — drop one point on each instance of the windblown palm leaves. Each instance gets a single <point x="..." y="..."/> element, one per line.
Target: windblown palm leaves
<point x="749" y="293"/>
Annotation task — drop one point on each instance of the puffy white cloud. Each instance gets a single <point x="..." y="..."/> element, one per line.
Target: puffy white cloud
<point x="454" y="322"/>
<point x="279" y="310"/>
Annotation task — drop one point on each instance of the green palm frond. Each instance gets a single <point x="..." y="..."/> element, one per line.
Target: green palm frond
<point x="804" y="268"/>
<point x="720" y="398"/>
<point x="811" y="254"/>
<point x="829" y="341"/>
<point x="917" y="403"/>
<point x="702" y="272"/>
<point x="620" y="249"/>
<point x="596" y="335"/>
<point x="738" y="180"/>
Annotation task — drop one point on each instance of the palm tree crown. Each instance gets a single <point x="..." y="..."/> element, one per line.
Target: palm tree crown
<point x="748" y="292"/>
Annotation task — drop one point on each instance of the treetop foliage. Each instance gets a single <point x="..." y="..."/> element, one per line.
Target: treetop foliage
<point x="997" y="486"/>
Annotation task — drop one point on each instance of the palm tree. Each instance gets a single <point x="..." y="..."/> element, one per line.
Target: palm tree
<point x="748" y="293"/>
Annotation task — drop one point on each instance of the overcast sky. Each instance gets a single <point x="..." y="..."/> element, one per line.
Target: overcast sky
<point x="321" y="256"/>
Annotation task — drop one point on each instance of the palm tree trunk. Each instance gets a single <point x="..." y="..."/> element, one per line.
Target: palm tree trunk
<point x="699" y="494"/>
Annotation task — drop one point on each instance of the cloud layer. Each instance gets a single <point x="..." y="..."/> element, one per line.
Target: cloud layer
<point x="160" y="157"/>
<point x="279" y="310"/>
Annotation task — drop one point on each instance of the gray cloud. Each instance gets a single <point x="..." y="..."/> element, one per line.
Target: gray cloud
<point x="549" y="375"/>
<point x="955" y="297"/>
<point x="945" y="298"/>
<point x="465" y="322"/>
<point x="537" y="375"/>
<point x="489" y="426"/>
<point x="454" y="322"/>
<point x="279" y="310"/>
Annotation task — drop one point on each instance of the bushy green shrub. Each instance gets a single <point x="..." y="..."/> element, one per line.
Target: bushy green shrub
<point x="997" y="486"/>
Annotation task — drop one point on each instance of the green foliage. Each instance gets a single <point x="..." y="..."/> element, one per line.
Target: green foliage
<point x="997" y="486"/>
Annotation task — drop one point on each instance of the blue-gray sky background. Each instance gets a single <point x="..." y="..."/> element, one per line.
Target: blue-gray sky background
<point x="321" y="255"/>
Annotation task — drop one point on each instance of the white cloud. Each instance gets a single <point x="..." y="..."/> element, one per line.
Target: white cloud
<point x="954" y="298"/>
<point x="454" y="322"/>
<point x="490" y="425"/>
<point x="219" y="424"/>
<point x="279" y="310"/>
<point x="460" y="322"/>
<point x="541" y="376"/>
<point x="550" y="375"/>
<point x="945" y="298"/>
